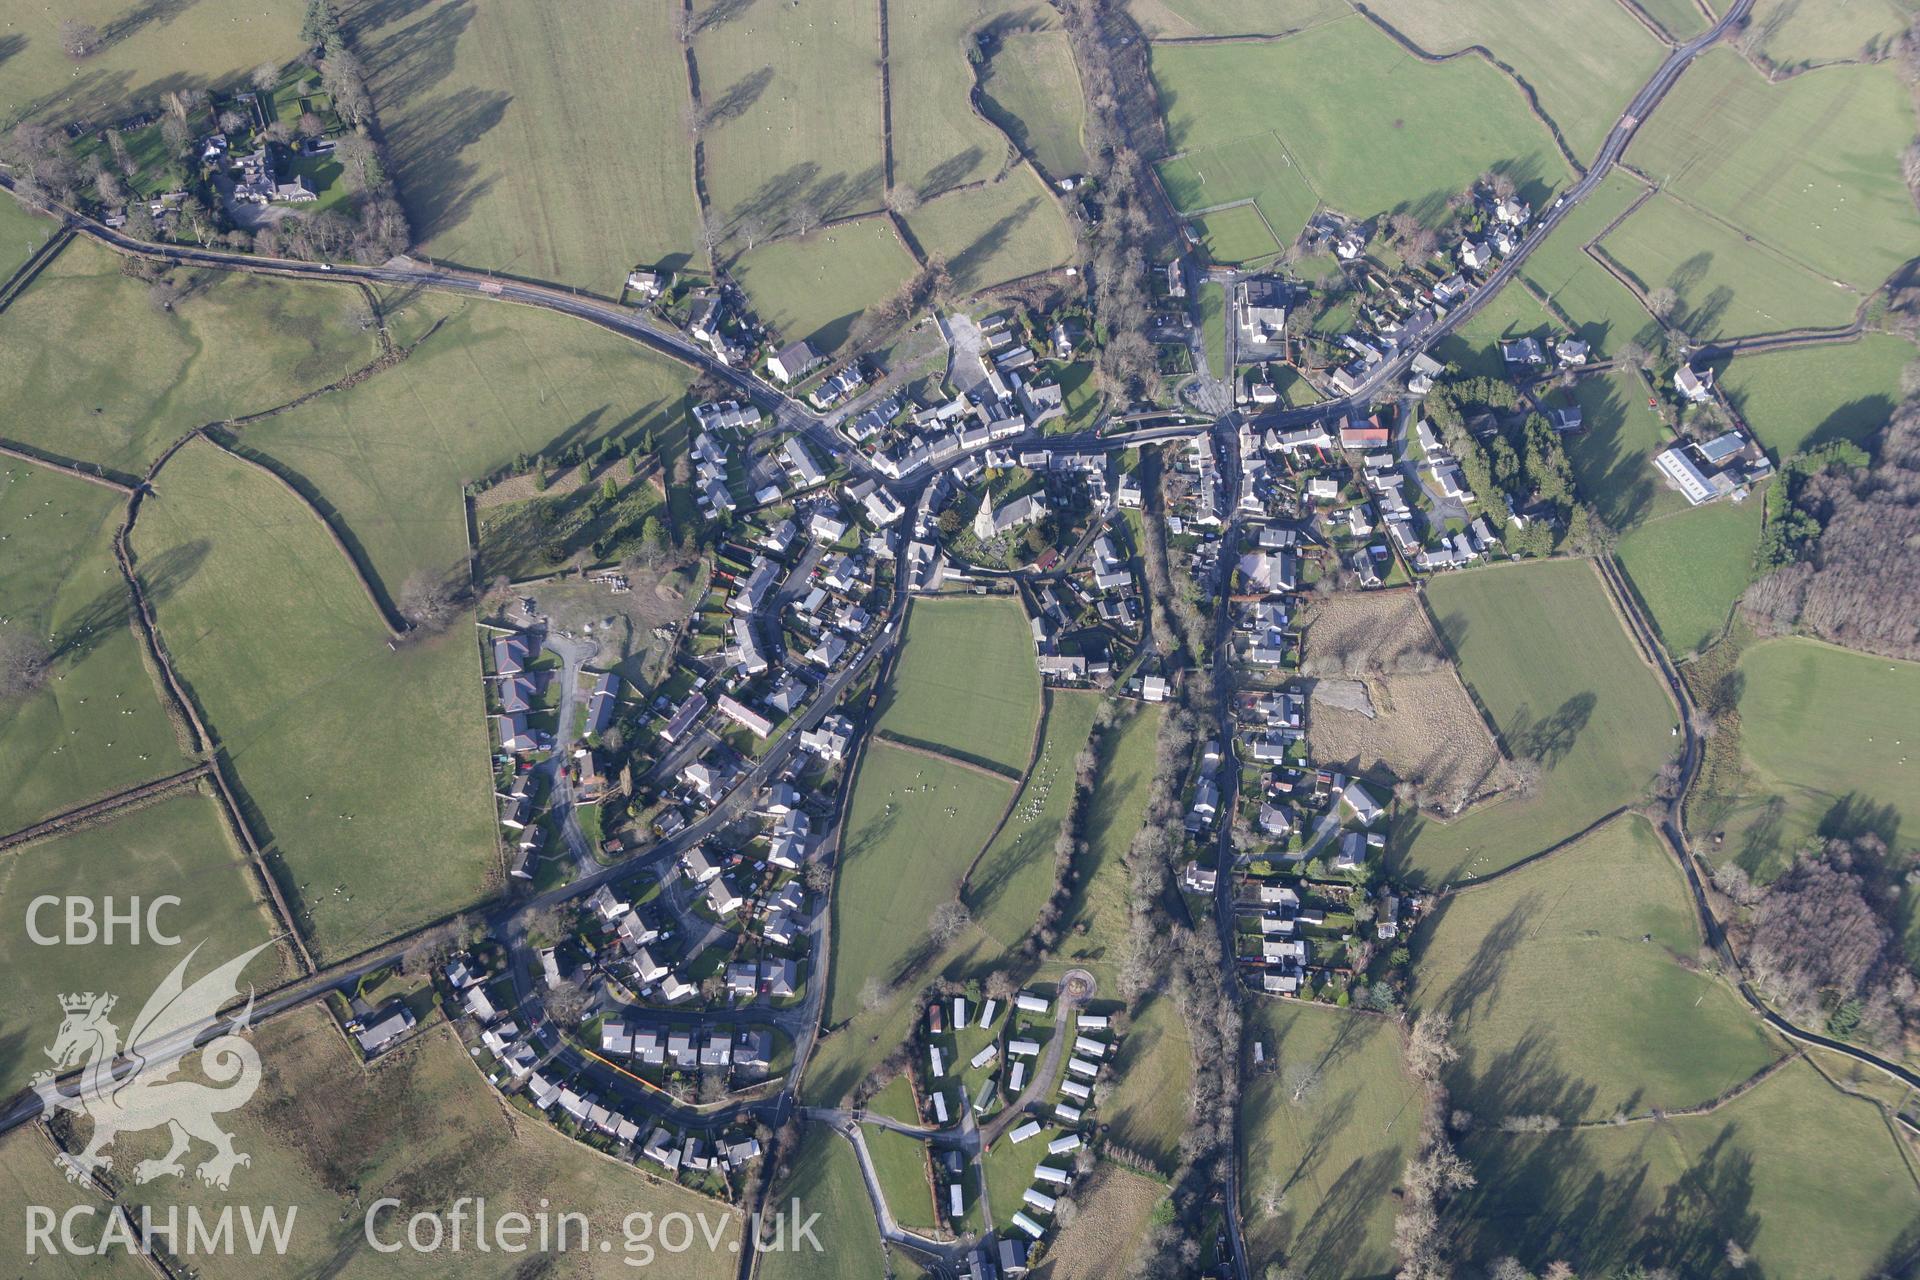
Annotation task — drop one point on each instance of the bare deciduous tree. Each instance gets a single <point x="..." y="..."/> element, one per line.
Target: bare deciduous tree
<point x="79" y="39"/>
<point x="23" y="664"/>
<point x="429" y="602"/>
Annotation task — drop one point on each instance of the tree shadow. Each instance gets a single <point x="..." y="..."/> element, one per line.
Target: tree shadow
<point x="406" y="63"/>
<point x="1551" y="739"/>
<point x="1480" y="979"/>
<point x="1761" y="843"/>
<point x="1854" y="815"/>
<point x="160" y="576"/>
<point x="737" y="98"/>
<point x="969" y="265"/>
<point x="719" y="13"/>
<point x="438" y="188"/>
<point x="11" y="45"/>
<point x="951" y="172"/>
<point x="1335" y="1239"/>
<point x="141" y="16"/>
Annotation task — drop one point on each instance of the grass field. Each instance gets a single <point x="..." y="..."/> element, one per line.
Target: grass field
<point x="1560" y="976"/>
<point x="939" y="141"/>
<point x="147" y="50"/>
<point x="826" y="1176"/>
<point x="1213" y="328"/>
<point x="1236" y="235"/>
<point x="996" y="233"/>
<point x="544" y="146"/>
<point x="1114" y="1208"/>
<point x="1809" y="165"/>
<point x="1179" y="18"/>
<point x="814" y="287"/>
<point x="1690" y="567"/>
<point x="1825" y="729"/>
<point x="367" y="765"/>
<point x="901" y="1164"/>
<point x="1258" y="168"/>
<point x="913" y="828"/>
<point x="965" y="682"/>
<point x="1612" y="456"/>
<point x="1330" y="1128"/>
<point x="1540" y="647"/>
<point x="175" y="846"/>
<point x="1680" y="19"/>
<point x="1727" y="286"/>
<point x="1808" y="1181"/>
<point x="1475" y="345"/>
<point x="1798" y="33"/>
<point x="770" y="75"/>
<point x="95" y="373"/>
<point x="1798" y="399"/>
<point x="1096" y="924"/>
<point x="390" y="455"/>
<point x="1602" y="311"/>
<point x="28" y="1177"/>
<point x="1360" y="151"/>
<point x="1015" y="874"/>
<point x="99" y="727"/>
<point x="1031" y="89"/>
<point x="421" y="1127"/>
<point x="1147" y="1112"/>
<point x="21" y="235"/>
<point x="1583" y="85"/>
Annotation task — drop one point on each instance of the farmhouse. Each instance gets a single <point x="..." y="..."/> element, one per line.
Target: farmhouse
<point x="792" y="362"/>
<point x="1695" y="384"/>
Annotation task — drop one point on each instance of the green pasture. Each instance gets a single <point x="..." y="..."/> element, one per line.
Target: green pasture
<point x="1015" y="874"/>
<point x="1326" y="1129"/>
<point x="1539" y="646"/>
<point x="1727" y="285"/>
<point x="1808" y="165"/>
<point x="914" y="826"/>
<point x="1031" y="89"/>
<point x="939" y="140"/>
<point x="94" y="372"/>
<point x="1475" y="345"/>
<point x="1825" y="730"/>
<point x="1345" y="115"/>
<point x="1802" y="33"/>
<point x="389" y="456"/>
<point x="175" y="846"/>
<point x="1803" y="398"/>
<point x="364" y="766"/>
<point x="146" y="50"/>
<point x="991" y="234"/>
<point x="97" y="726"/>
<point x="1599" y="309"/>
<point x="1806" y="1180"/>
<point x="546" y="144"/>
<point x="1560" y="976"/>
<point x="1690" y="567"/>
<point x="815" y="286"/>
<point x="792" y="95"/>
<point x="1181" y="18"/>
<point x="965" y="682"/>
<point x="1583" y="83"/>
<point x="21" y="234"/>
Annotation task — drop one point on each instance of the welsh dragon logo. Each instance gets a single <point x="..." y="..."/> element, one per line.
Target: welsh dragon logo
<point x="128" y="1087"/>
